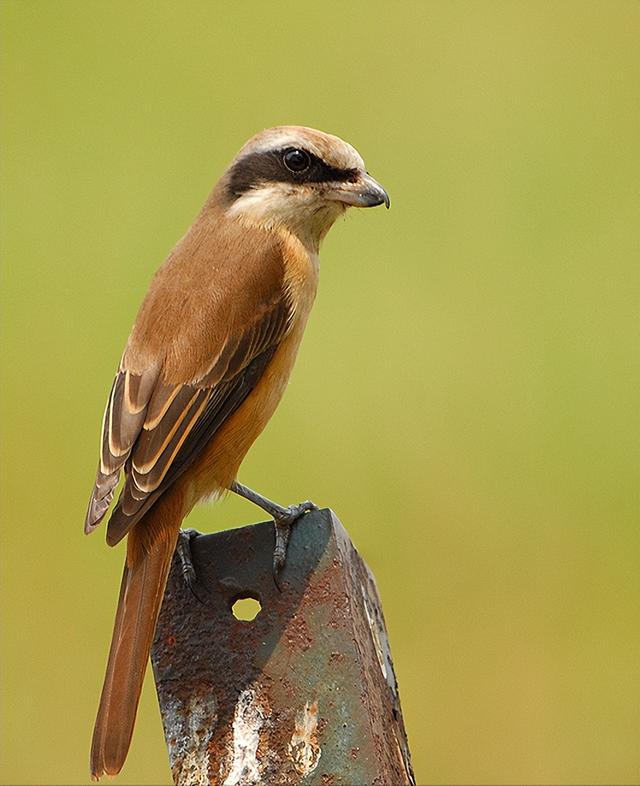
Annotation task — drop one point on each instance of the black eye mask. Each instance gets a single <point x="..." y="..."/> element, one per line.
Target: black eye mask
<point x="274" y="166"/>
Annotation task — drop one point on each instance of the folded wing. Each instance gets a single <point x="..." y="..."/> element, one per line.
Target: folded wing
<point x="154" y="429"/>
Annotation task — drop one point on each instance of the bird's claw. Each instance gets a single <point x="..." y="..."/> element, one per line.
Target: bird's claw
<point x="283" y="523"/>
<point x="183" y="549"/>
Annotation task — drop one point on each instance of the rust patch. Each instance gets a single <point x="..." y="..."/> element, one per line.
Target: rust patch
<point x="297" y="633"/>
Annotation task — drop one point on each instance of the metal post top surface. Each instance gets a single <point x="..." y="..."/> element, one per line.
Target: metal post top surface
<point x="303" y="694"/>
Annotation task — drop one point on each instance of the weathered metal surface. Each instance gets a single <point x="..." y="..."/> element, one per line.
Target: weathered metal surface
<point x="303" y="694"/>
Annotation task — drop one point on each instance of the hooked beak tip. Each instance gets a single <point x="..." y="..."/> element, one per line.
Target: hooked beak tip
<point x="373" y="194"/>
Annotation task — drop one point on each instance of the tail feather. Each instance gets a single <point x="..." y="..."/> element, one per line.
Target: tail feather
<point x="150" y="547"/>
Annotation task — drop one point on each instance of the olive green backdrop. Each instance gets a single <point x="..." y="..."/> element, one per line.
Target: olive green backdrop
<point x="466" y="394"/>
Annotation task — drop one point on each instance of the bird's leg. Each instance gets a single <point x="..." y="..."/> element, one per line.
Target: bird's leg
<point x="183" y="549"/>
<point x="283" y="519"/>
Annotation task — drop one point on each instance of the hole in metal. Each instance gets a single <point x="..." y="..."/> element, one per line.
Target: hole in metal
<point x="246" y="609"/>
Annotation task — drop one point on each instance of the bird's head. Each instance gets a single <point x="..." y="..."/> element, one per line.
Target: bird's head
<point x="298" y="178"/>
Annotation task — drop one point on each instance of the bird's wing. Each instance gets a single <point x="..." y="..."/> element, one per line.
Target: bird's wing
<point x="155" y="429"/>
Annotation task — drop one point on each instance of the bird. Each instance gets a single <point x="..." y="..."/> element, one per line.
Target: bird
<point x="204" y="368"/>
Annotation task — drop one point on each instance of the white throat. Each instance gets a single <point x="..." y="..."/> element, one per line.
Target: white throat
<point x="300" y="211"/>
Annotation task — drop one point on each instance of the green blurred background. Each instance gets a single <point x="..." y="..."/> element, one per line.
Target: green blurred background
<point x="467" y="391"/>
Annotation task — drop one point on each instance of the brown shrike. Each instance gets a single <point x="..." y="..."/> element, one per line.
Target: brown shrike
<point x="204" y="368"/>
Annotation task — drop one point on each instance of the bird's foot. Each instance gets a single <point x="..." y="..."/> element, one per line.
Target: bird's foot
<point x="283" y="520"/>
<point x="183" y="549"/>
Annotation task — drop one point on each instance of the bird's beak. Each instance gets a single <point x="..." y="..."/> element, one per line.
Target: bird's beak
<point x="362" y="192"/>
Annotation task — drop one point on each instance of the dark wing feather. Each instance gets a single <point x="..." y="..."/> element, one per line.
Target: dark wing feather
<point x="156" y="432"/>
<point x="183" y="448"/>
<point x="123" y="419"/>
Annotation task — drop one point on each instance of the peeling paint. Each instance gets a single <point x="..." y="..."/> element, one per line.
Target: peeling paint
<point x="304" y="749"/>
<point x="190" y="754"/>
<point x="248" y="719"/>
<point x="375" y="634"/>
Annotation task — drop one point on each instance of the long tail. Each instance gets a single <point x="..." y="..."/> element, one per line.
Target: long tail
<point x="150" y="547"/>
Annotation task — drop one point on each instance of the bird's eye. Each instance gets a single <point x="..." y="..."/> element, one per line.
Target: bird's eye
<point x="296" y="160"/>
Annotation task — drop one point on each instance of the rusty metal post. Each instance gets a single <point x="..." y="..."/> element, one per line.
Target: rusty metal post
<point x="303" y="694"/>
